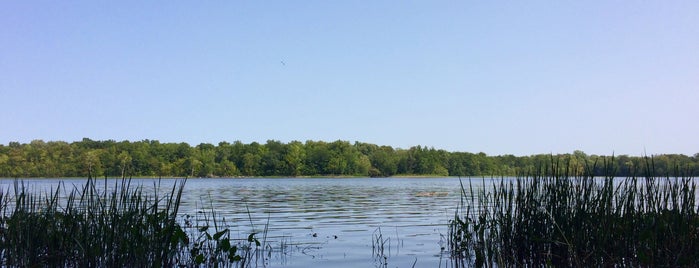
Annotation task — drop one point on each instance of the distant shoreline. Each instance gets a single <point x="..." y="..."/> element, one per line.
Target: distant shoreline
<point x="252" y="177"/>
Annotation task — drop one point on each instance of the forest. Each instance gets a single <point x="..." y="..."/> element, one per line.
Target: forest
<point x="151" y="158"/>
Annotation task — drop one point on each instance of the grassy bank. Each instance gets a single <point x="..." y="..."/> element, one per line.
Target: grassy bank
<point x="554" y="218"/>
<point x="125" y="227"/>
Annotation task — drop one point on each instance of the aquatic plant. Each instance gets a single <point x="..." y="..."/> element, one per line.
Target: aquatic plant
<point x="378" y="245"/>
<point x="554" y="217"/>
<point x="122" y="227"/>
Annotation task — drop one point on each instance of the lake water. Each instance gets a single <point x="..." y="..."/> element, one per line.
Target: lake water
<point x="319" y="222"/>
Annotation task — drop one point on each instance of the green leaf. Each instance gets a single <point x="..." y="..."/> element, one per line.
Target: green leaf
<point x="179" y="236"/>
<point x="199" y="259"/>
<point x="251" y="237"/>
<point x="225" y="244"/>
<point x="219" y="234"/>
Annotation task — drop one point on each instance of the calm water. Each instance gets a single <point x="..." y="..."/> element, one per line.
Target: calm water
<point x="328" y="221"/>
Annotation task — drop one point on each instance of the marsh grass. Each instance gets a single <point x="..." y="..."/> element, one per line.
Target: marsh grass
<point x="378" y="247"/>
<point x="124" y="227"/>
<point x="554" y="218"/>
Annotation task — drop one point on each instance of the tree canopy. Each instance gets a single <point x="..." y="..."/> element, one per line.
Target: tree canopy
<point x="312" y="158"/>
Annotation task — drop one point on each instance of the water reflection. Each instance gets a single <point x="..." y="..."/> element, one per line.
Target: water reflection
<point x="332" y="220"/>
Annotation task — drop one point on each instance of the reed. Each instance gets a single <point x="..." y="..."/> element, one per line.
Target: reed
<point x="378" y="246"/>
<point x="553" y="217"/>
<point x="124" y="227"/>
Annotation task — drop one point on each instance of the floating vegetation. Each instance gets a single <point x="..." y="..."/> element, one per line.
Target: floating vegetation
<point x="124" y="227"/>
<point x="553" y="218"/>
<point x="431" y="194"/>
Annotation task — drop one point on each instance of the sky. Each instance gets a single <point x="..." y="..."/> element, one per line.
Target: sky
<point x="499" y="77"/>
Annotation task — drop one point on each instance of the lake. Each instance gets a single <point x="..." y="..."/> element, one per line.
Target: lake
<point x="318" y="222"/>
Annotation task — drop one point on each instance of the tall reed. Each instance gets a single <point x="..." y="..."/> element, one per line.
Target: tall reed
<point x="122" y="227"/>
<point x="553" y="217"/>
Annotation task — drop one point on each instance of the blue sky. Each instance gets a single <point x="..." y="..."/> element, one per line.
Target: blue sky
<point x="500" y="77"/>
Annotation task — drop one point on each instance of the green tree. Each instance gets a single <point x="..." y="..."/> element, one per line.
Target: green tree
<point x="124" y="163"/>
<point x="227" y="169"/>
<point x="273" y="162"/>
<point x="274" y="158"/>
<point x="385" y="160"/>
<point x="251" y="164"/>
<point x="92" y="166"/>
<point x="294" y="158"/>
<point x="204" y="159"/>
<point x="317" y="158"/>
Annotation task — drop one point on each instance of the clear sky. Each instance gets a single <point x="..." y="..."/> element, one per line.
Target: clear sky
<point x="500" y="77"/>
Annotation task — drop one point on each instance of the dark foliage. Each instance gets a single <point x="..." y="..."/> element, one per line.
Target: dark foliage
<point x="555" y="218"/>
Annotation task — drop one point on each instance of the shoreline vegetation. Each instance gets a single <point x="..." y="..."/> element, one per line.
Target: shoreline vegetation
<point x="555" y="217"/>
<point x="125" y="227"/>
<point x="150" y="158"/>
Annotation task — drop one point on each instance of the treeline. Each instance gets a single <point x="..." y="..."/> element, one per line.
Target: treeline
<point x="312" y="158"/>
